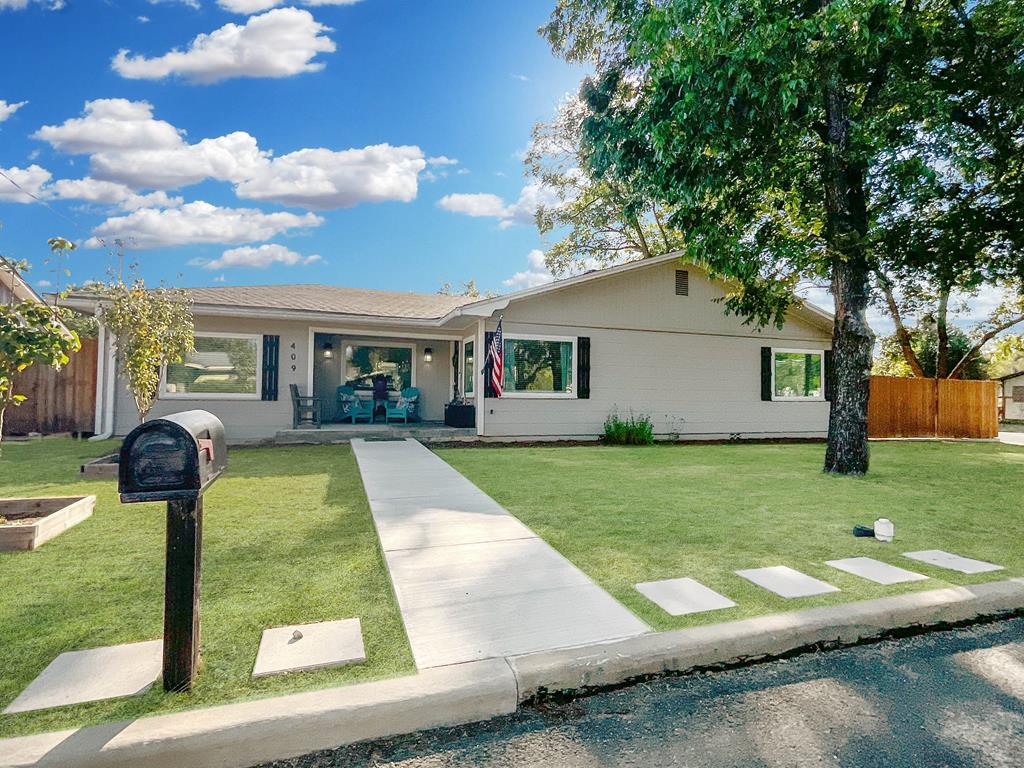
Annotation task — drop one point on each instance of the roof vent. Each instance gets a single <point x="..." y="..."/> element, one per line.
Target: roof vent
<point x="682" y="282"/>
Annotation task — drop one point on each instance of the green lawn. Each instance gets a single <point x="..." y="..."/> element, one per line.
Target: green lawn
<point x="628" y="515"/>
<point x="288" y="538"/>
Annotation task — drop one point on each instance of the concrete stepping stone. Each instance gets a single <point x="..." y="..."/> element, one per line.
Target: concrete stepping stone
<point x="98" y="673"/>
<point x="679" y="597"/>
<point x="875" y="570"/>
<point x="952" y="562"/>
<point x="309" y="646"/>
<point x="787" y="582"/>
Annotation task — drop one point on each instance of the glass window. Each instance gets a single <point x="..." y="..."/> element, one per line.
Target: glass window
<point x="797" y="375"/>
<point x="467" y="368"/>
<point x="363" y="364"/>
<point x="537" y="365"/>
<point x="221" y="365"/>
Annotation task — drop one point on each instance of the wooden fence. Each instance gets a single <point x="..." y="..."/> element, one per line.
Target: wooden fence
<point x="932" y="408"/>
<point x="58" y="401"/>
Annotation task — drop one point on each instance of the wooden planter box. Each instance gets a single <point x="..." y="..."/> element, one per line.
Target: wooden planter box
<point x="50" y="517"/>
<point x="104" y="466"/>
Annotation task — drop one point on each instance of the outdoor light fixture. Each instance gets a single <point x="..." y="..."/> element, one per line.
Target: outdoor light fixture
<point x="328" y="351"/>
<point x="428" y="354"/>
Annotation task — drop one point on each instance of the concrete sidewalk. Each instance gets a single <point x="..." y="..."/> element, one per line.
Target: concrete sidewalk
<point x="471" y="580"/>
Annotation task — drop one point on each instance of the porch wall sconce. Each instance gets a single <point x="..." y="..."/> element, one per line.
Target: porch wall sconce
<point x="428" y="354"/>
<point x="328" y="351"/>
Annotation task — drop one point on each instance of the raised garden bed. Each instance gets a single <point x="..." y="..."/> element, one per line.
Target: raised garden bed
<point x="31" y="522"/>
<point x="104" y="466"/>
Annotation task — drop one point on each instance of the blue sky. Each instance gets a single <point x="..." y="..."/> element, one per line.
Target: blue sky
<point x="323" y="128"/>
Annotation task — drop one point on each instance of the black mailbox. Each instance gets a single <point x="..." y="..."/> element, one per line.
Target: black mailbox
<point x="175" y="457"/>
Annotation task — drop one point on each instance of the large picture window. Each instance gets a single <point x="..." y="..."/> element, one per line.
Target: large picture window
<point x="364" y="363"/>
<point x="797" y="374"/>
<point x="223" y="365"/>
<point x="468" y="358"/>
<point x="539" y="367"/>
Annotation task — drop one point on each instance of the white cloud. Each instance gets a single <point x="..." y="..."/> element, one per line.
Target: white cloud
<point x="476" y="204"/>
<point x="259" y="257"/>
<point x="17" y="5"/>
<point x="142" y="19"/>
<point x="522" y="211"/>
<point x="442" y="160"/>
<point x="194" y="4"/>
<point x="128" y="146"/>
<point x="536" y="273"/>
<point x="463" y="172"/>
<point x="233" y="157"/>
<point x="111" y="124"/>
<point x="8" y="108"/>
<point x="255" y="6"/>
<point x="322" y="178"/>
<point x="111" y="193"/>
<point x="30" y="180"/>
<point x="44" y="284"/>
<point x="198" y="222"/>
<point x="279" y="43"/>
<point x="521" y="78"/>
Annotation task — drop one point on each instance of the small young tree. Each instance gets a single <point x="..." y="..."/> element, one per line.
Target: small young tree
<point x="30" y="332"/>
<point x="151" y="328"/>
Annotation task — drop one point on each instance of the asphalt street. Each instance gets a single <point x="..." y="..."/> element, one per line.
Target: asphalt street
<point x="953" y="698"/>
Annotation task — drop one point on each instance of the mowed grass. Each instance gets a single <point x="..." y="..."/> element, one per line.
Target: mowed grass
<point x="287" y="539"/>
<point x="629" y="515"/>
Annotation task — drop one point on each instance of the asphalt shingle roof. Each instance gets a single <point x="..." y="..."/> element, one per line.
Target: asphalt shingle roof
<point x="333" y="299"/>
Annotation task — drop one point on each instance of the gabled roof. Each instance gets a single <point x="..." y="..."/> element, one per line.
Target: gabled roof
<point x="810" y="312"/>
<point x="1009" y="376"/>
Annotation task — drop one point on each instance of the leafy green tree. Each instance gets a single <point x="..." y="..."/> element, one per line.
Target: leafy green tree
<point x="30" y="333"/>
<point x="1006" y="356"/>
<point x="151" y="328"/>
<point x="924" y="341"/>
<point x="799" y="140"/>
<point x="600" y="221"/>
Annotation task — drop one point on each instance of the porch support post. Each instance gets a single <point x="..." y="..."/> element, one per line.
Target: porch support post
<point x="479" y="356"/>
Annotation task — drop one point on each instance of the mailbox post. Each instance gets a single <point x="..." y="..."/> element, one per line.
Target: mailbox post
<point x="175" y="459"/>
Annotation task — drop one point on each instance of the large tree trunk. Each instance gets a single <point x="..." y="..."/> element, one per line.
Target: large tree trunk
<point x="852" y="339"/>
<point x="942" y="331"/>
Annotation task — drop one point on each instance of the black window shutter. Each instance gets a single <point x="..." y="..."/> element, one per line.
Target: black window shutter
<point x="583" y="368"/>
<point x="488" y="386"/>
<point x="830" y="374"/>
<point x="456" y="379"/>
<point x="766" y="373"/>
<point x="271" y="354"/>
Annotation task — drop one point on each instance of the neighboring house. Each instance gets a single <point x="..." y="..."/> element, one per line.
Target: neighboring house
<point x="648" y="337"/>
<point x="1012" y="396"/>
<point x="13" y="287"/>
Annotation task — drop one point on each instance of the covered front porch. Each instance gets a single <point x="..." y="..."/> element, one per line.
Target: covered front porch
<point x="369" y="384"/>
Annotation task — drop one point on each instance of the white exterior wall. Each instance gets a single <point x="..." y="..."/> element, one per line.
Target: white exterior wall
<point x="678" y="359"/>
<point x="1013" y="410"/>
<point x="249" y="419"/>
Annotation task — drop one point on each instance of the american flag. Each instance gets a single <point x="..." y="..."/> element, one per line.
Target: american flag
<point x="497" y="355"/>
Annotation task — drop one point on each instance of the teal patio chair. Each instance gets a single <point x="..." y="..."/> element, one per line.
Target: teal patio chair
<point x="351" y="406"/>
<point x="406" y="407"/>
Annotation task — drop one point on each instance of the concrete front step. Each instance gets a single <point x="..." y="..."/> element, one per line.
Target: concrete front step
<point x="330" y="434"/>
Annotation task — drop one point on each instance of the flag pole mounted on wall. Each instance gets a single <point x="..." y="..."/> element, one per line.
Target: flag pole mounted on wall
<point x="496" y="353"/>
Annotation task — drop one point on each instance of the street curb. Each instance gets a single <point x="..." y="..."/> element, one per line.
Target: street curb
<point x="247" y="733"/>
<point x="251" y="732"/>
<point x="578" y="670"/>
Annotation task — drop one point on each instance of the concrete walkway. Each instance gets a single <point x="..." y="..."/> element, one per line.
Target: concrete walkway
<point x="471" y="580"/>
<point x="1012" y="438"/>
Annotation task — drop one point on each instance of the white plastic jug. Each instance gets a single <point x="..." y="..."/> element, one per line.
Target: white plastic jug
<point x="884" y="529"/>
